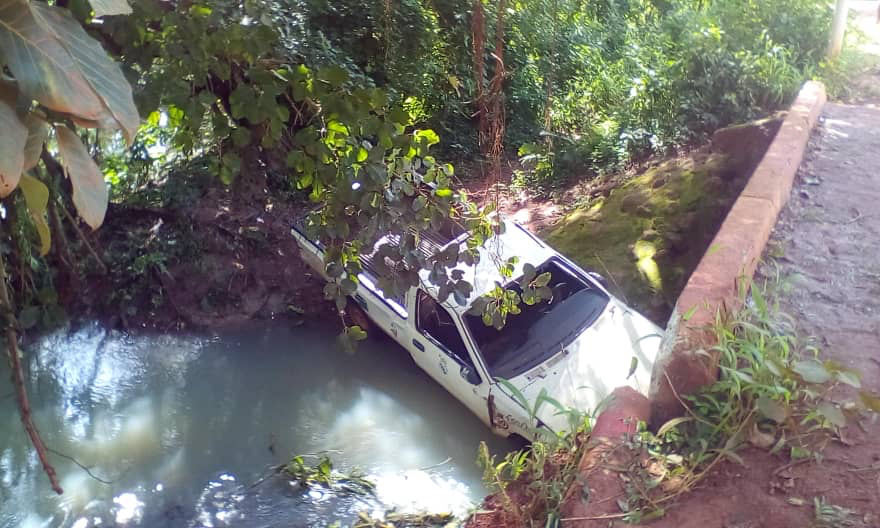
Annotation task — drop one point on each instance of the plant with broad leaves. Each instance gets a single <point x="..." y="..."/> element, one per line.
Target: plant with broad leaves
<point x="549" y="464"/>
<point x="534" y="286"/>
<point x="322" y="473"/>
<point x="60" y="78"/>
<point x="380" y="190"/>
<point x="773" y="393"/>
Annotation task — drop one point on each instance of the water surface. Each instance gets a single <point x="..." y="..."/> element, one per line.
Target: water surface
<point x="183" y="426"/>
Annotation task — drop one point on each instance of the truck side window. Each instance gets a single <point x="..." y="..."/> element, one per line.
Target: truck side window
<point x="433" y="320"/>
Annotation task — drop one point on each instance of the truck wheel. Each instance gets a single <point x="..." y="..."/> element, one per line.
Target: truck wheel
<point x="355" y="315"/>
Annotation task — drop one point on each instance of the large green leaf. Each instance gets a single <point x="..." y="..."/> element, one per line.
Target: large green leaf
<point x="110" y="7"/>
<point x="42" y="66"/>
<point x="812" y="371"/>
<point x="832" y="413"/>
<point x="102" y="73"/>
<point x="13" y="135"/>
<point x="37" y="133"/>
<point x="36" y="196"/>
<point x="772" y="409"/>
<point x="90" y="192"/>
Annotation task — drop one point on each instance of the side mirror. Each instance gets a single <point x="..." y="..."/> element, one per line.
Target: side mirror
<point x="599" y="278"/>
<point x="470" y="375"/>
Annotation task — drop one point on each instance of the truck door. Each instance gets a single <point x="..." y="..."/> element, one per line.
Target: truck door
<point x="438" y="348"/>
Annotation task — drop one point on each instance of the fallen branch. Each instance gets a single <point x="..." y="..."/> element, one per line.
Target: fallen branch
<point x="595" y="517"/>
<point x="24" y="406"/>
<point x="784" y="467"/>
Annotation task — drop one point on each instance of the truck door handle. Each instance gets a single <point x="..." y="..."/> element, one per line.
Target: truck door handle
<point x="418" y="345"/>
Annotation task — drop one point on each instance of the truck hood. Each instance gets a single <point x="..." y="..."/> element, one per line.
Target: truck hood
<point x="599" y="360"/>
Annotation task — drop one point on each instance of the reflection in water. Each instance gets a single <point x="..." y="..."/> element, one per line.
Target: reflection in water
<point x="183" y="426"/>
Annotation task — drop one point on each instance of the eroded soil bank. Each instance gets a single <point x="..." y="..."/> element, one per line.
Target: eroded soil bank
<point x="210" y="259"/>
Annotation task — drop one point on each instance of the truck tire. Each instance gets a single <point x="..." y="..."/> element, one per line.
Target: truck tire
<point x="355" y="316"/>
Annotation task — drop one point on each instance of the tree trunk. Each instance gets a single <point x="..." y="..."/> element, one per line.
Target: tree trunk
<point x="478" y="26"/>
<point x="838" y="29"/>
<point x="494" y="150"/>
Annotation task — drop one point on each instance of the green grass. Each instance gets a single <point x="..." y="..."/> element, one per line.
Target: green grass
<point x="842" y="78"/>
<point x="832" y="516"/>
<point x="647" y="238"/>
<point x="774" y="392"/>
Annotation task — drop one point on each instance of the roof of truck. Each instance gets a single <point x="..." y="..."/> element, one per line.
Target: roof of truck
<point x="515" y="241"/>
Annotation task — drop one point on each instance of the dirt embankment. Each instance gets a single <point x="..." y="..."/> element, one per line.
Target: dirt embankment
<point x="215" y="261"/>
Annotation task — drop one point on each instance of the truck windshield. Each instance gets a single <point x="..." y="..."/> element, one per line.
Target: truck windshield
<point x="541" y="330"/>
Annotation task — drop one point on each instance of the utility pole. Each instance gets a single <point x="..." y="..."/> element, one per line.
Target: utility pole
<point x="838" y="29"/>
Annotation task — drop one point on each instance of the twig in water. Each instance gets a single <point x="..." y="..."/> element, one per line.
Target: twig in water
<point x="274" y="470"/>
<point x="429" y="468"/>
<point x="86" y="468"/>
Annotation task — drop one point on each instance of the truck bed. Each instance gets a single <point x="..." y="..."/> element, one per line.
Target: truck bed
<point x="430" y="243"/>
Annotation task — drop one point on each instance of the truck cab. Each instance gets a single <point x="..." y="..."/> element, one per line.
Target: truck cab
<point x="576" y="347"/>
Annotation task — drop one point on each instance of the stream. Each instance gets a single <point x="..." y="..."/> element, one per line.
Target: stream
<point x="182" y="427"/>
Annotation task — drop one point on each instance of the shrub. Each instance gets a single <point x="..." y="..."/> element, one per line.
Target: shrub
<point x="652" y="75"/>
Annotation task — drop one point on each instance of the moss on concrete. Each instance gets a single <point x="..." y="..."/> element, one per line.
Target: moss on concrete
<point x="648" y="235"/>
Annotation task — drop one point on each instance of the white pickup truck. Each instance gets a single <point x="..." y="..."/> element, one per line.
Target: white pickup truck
<point x="578" y="346"/>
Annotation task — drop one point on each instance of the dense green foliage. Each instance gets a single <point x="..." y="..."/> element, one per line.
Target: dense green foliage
<point x="305" y="99"/>
<point x="322" y="95"/>
<point x="641" y="77"/>
<point x="589" y="85"/>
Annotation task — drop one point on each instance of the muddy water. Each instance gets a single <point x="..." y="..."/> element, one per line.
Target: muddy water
<point x="182" y="427"/>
